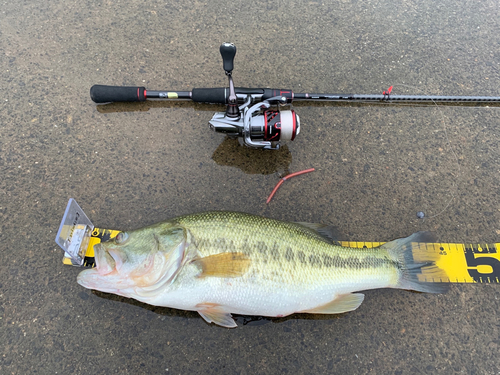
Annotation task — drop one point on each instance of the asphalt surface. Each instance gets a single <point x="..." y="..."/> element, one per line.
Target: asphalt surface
<point x="131" y="165"/>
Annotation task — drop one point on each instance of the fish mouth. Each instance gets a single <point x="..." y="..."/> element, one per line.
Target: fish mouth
<point x="104" y="276"/>
<point x="104" y="261"/>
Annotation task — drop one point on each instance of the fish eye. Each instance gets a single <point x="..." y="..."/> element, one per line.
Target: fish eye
<point x="121" y="238"/>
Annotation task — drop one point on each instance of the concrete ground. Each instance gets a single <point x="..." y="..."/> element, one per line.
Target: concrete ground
<point x="132" y="165"/>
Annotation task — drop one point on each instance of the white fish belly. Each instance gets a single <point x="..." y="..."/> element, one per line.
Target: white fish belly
<point x="261" y="298"/>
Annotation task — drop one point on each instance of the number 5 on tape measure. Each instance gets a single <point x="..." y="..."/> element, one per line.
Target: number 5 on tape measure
<point x="481" y="267"/>
<point x="466" y="263"/>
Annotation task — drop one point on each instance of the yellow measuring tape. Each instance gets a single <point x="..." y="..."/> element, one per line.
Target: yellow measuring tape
<point x="460" y="263"/>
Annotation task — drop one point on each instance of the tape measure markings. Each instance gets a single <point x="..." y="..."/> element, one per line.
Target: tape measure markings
<point x="460" y="263"/>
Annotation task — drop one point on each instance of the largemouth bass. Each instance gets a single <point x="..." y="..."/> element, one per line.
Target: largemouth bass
<point x="218" y="263"/>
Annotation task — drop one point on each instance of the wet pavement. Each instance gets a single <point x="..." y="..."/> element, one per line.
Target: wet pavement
<point x="135" y="164"/>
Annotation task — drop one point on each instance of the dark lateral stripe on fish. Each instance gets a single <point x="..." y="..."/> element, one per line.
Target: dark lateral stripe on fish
<point x="302" y="257"/>
<point x="315" y="260"/>
<point x="275" y="254"/>
<point x="289" y="255"/>
<point x="358" y="263"/>
<point x="336" y="261"/>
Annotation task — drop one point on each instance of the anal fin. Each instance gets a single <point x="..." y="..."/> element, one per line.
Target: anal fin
<point x="341" y="304"/>
<point x="215" y="313"/>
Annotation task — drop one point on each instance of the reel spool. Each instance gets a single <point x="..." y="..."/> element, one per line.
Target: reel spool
<point x="275" y="126"/>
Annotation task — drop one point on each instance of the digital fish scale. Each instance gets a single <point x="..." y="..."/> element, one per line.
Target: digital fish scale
<point x="461" y="263"/>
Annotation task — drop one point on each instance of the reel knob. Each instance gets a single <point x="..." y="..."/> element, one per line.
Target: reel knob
<point x="228" y="51"/>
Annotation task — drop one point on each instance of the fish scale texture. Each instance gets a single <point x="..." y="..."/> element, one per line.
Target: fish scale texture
<point x="284" y="253"/>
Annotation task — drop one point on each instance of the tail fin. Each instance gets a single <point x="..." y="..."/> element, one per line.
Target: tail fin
<point x="401" y="251"/>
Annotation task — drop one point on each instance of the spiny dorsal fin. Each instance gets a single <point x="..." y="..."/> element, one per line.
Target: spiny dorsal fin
<point x="224" y="265"/>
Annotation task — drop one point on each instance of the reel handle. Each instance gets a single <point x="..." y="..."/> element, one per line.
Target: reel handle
<point x="107" y="94"/>
<point x="228" y="51"/>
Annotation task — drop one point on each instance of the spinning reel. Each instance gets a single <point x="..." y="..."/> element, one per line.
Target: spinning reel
<point x="255" y="121"/>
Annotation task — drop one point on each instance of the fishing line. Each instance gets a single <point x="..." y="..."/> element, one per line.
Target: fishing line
<point x="448" y="141"/>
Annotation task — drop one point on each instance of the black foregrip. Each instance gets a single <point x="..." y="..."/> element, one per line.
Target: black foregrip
<point x="215" y="95"/>
<point x="107" y="94"/>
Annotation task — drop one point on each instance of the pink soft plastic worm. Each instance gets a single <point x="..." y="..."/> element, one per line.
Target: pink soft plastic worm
<point x="284" y="179"/>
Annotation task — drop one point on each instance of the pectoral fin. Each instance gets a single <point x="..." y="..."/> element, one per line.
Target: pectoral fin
<point x="341" y="304"/>
<point x="224" y="265"/>
<point x="215" y="313"/>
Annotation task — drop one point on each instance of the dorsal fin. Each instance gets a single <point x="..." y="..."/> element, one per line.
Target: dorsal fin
<point x="326" y="232"/>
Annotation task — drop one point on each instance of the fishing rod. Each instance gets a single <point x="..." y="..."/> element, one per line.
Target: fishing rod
<point x="262" y="117"/>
